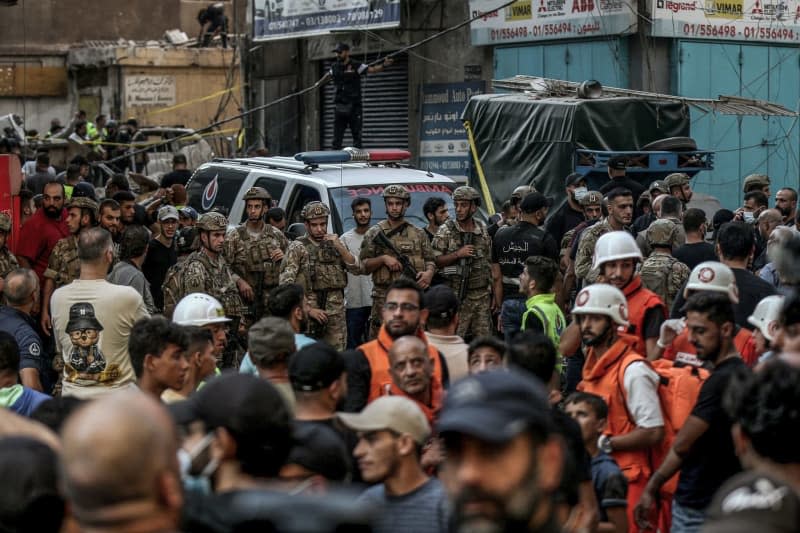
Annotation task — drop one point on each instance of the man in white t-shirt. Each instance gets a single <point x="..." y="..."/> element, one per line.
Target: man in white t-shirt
<point x="358" y="292"/>
<point x="92" y="320"/>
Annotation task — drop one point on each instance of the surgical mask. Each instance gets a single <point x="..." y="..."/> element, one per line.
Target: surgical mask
<point x="579" y="193"/>
<point x="748" y="216"/>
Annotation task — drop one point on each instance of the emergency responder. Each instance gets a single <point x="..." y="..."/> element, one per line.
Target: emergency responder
<point x="409" y="255"/>
<point x="319" y="262"/>
<point x="620" y="215"/>
<point x="679" y="186"/>
<point x="255" y="250"/>
<point x="756" y="182"/>
<point x="463" y="249"/>
<point x="8" y="261"/>
<point x="198" y="309"/>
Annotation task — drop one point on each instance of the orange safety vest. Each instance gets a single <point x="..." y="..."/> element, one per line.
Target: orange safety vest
<point x="682" y="350"/>
<point x="640" y="300"/>
<point x="381" y="384"/>
<point x="603" y="376"/>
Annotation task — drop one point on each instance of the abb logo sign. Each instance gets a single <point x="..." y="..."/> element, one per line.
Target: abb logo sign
<point x="583" y="6"/>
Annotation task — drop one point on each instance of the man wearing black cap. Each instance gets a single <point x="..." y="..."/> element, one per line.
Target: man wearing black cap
<point x="503" y="461"/>
<point x="570" y="214"/>
<point x="347" y="103"/>
<point x="618" y="178"/>
<point x="511" y="246"/>
<point x="180" y="172"/>
<point x="443" y="318"/>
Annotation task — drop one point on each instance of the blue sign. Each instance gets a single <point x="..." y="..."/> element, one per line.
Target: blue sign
<point x="289" y="19"/>
<point x="444" y="147"/>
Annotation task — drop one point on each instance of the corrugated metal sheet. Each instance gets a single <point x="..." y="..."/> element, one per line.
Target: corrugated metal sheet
<point x="384" y="96"/>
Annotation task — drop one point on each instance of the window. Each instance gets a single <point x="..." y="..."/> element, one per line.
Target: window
<point x="301" y="195"/>
<point x="212" y="187"/>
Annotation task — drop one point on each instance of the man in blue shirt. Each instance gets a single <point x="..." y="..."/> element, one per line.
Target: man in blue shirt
<point x="13" y="396"/>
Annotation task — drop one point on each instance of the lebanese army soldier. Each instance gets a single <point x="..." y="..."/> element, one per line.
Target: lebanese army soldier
<point x="8" y="261"/>
<point x="660" y="272"/>
<point x="319" y="262"/>
<point x="620" y="214"/>
<point x="678" y="186"/>
<point x="592" y="205"/>
<point x="521" y="192"/>
<point x="255" y="250"/>
<point x="385" y="263"/>
<point x="462" y="249"/>
<point x="756" y="182"/>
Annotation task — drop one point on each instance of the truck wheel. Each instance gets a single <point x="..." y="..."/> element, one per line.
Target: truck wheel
<point x="671" y="144"/>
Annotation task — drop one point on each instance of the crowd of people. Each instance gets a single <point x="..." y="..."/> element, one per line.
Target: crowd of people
<point x="627" y="362"/>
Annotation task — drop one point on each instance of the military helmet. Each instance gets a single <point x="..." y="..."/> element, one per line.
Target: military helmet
<point x="83" y="202"/>
<point x="602" y="299"/>
<point x="257" y="193"/>
<point x="315" y="210"/>
<point x="5" y="222"/>
<point x="522" y="191"/>
<point x="676" y="179"/>
<point x="396" y="191"/>
<point x="465" y="192"/>
<point x="661" y="233"/>
<point x="658" y="185"/>
<point x="212" y="221"/>
<point x="591" y="198"/>
<point x="755" y="180"/>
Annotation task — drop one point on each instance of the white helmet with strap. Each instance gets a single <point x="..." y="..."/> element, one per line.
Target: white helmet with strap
<point x="712" y="276"/>
<point x="198" y="309"/>
<point x="602" y="299"/>
<point x="615" y="245"/>
<point x="765" y="316"/>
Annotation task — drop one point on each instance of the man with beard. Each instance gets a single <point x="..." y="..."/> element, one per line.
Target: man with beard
<point x="368" y="373"/>
<point x="319" y="262"/>
<point x="679" y="186"/>
<point x="358" y="292"/>
<point x="703" y="450"/>
<point x="616" y="372"/>
<point x="786" y="203"/>
<point x="110" y="218"/>
<point x="435" y="210"/>
<point x="161" y="254"/>
<point x="43" y="230"/>
<point x="383" y="263"/>
<point x="64" y="265"/>
<point x="462" y="249"/>
<point x="503" y="461"/>
<point x="8" y="261"/>
<point x="255" y="250"/>
<point x="127" y="205"/>
<point x="570" y="214"/>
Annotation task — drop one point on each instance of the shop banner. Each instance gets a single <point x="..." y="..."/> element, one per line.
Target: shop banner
<point x="444" y="148"/>
<point x="544" y="20"/>
<point x="288" y="19"/>
<point x="740" y="20"/>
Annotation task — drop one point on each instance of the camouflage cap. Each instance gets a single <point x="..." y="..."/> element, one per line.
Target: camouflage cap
<point x="5" y="222"/>
<point x="212" y="221"/>
<point x="662" y="232"/>
<point x="396" y="191"/>
<point x="676" y="179"/>
<point x="257" y="193"/>
<point x="592" y="198"/>
<point x="315" y="210"/>
<point x="659" y="186"/>
<point x="644" y="196"/>
<point x="755" y="180"/>
<point x="522" y="191"/>
<point x="465" y="192"/>
<point x="82" y="202"/>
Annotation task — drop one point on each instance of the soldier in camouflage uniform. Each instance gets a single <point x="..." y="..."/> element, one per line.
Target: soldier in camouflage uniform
<point x="255" y="251"/>
<point x="678" y="186"/>
<point x="7" y="260"/>
<point x="383" y="263"/>
<point x="592" y="205"/>
<point x="660" y="272"/>
<point x="458" y="259"/>
<point x="756" y="182"/>
<point x="319" y="262"/>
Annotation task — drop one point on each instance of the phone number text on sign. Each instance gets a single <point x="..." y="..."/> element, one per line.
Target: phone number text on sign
<point x="543" y="30"/>
<point x="730" y="31"/>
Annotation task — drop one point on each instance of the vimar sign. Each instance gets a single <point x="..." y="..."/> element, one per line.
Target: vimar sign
<point x="149" y="91"/>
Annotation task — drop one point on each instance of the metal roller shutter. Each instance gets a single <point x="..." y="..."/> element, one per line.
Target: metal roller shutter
<point x="384" y="96"/>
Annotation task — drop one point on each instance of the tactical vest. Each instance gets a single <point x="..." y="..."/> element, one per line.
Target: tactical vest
<point x="325" y="268"/>
<point x="480" y="272"/>
<point x="258" y="257"/>
<point x="408" y="242"/>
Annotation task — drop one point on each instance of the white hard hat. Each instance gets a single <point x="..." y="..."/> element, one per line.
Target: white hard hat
<point x="602" y="299"/>
<point x="198" y="309"/>
<point x="765" y="316"/>
<point x="614" y="246"/>
<point x="712" y="276"/>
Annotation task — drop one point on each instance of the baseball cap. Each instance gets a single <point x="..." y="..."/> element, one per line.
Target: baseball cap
<point x="189" y="212"/>
<point x="341" y="46"/>
<point x="321" y="450"/>
<point x="573" y="178"/>
<point x="496" y="406"/>
<point x="85" y="190"/>
<point x="393" y="413"/>
<point x="441" y="301"/>
<point x="618" y="163"/>
<point x="167" y="212"/>
<point x="314" y="367"/>
<point x="535" y="201"/>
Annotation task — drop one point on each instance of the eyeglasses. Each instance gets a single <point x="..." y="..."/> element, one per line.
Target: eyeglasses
<point x="406" y="307"/>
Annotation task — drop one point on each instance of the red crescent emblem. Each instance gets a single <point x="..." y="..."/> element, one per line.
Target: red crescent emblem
<point x="706" y="275"/>
<point x="582" y="298"/>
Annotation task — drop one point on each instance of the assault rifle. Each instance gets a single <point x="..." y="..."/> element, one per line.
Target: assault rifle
<point x="464" y="267"/>
<point x="408" y="268"/>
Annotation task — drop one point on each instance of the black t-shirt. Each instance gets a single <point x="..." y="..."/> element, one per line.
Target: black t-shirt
<point x="512" y="245"/>
<point x="643" y="222"/>
<point x="627" y="183"/>
<point x="695" y="253"/>
<point x="563" y="220"/>
<point x="348" y="436"/>
<point x="712" y="459"/>
<point x="347" y="78"/>
<point x="156" y="263"/>
<point x="752" y="290"/>
<point x="180" y="176"/>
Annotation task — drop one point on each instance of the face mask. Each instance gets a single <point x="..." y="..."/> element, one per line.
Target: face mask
<point x="748" y="217"/>
<point x="579" y="193"/>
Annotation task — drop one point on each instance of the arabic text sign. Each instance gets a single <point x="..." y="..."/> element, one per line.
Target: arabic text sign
<point x="288" y="19"/>
<point x="443" y="140"/>
<point x="742" y="20"/>
<point x="149" y="91"/>
<point x="538" y="20"/>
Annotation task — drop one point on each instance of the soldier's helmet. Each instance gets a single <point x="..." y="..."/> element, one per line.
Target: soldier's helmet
<point x="614" y="246"/>
<point x="199" y="309"/>
<point x="396" y="191"/>
<point x="676" y="179"/>
<point x="522" y="191"/>
<point x="5" y="222"/>
<point x="658" y="185"/>
<point x="755" y="181"/>
<point x="465" y="192"/>
<point x="591" y="198"/>
<point x="602" y="299"/>
<point x="662" y="232"/>
<point x="712" y="276"/>
<point x="212" y="222"/>
<point x="82" y="202"/>
<point x="315" y="210"/>
<point x="257" y="193"/>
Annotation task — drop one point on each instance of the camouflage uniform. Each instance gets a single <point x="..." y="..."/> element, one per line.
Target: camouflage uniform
<point x="8" y="261"/>
<point x="662" y="273"/>
<point x="410" y="241"/>
<point x="64" y="267"/>
<point x="585" y="252"/>
<point x="322" y="273"/>
<point x="474" y="313"/>
<point x="250" y="256"/>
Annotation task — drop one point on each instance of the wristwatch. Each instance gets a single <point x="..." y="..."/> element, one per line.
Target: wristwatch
<point x="604" y="443"/>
